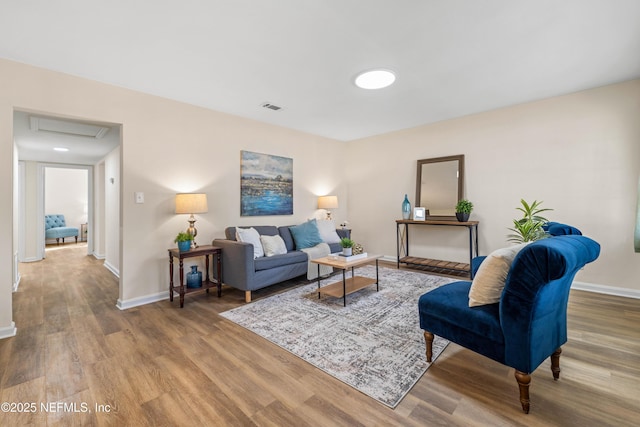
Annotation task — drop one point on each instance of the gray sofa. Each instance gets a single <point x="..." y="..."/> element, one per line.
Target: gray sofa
<point x="242" y="271"/>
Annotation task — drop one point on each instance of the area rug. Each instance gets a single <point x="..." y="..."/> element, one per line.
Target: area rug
<point x="374" y="344"/>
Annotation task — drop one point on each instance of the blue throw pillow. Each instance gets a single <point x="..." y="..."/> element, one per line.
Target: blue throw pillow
<point x="306" y="235"/>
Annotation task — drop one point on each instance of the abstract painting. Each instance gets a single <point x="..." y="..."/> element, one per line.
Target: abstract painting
<point x="266" y="184"/>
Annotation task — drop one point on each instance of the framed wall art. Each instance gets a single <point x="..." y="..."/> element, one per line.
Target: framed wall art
<point x="266" y="184"/>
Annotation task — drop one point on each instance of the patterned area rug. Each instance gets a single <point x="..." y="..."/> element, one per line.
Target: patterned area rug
<point x="374" y="344"/>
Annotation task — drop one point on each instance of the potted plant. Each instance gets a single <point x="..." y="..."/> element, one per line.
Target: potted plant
<point x="530" y="227"/>
<point x="183" y="240"/>
<point x="347" y="246"/>
<point x="463" y="210"/>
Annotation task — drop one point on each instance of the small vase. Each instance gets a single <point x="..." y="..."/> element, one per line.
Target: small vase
<point x="184" y="246"/>
<point x="194" y="278"/>
<point x="406" y="208"/>
<point x="347" y="251"/>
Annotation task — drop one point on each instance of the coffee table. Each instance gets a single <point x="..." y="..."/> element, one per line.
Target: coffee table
<point x="347" y="285"/>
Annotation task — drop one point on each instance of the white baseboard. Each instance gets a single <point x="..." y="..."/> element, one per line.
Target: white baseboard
<point x="580" y="286"/>
<point x="607" y="290"/>
<point x="17" y="283"/>
<point x="9" y="331"/>
<point x="98" y="256"/>
<point x="112" y="269"/>
<point x="147" y="299"/>
<point x="31" y="259"/>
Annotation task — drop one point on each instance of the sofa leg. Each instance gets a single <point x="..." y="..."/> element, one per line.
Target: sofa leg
<point x="523" y="382"/>
<point x="247" y="296"/>
<point x="555" y="364"/>
<point x="428" y="339"/>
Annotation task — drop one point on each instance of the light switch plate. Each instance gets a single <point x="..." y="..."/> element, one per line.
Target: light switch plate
<point x="139" y="197"/>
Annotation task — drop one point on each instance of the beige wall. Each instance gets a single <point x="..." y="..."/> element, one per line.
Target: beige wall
<point x="578" y="153"/>
<point x="167" y="147"/>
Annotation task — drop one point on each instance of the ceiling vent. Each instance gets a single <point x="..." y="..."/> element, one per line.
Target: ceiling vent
<point x="39" y="124"/>
<point x="271" y="106"/>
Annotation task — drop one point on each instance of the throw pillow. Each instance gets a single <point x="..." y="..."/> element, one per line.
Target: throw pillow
<point x="327" y="230"/>
<point x="273" y="245"/>
<point x="490" y="278"/>
<point x="250" y="235"/>
<point x="306" y="235"/>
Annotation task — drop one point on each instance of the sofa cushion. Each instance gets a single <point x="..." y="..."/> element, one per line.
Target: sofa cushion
<point x="490" y="278"/>
<point x="327" y="230"/>
<point x="250" y="235"/>
<point x="306" y="235"/>
<point x="266" y="263"/>
<point x="273" y="245"/>
<point x="285" y="233"/>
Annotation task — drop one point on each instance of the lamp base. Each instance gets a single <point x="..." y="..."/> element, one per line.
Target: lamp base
<point x="192" y="230"/>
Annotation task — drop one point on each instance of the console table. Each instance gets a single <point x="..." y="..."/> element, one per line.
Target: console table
<point x="207" y="251"/>
<point x="402" y="240"/>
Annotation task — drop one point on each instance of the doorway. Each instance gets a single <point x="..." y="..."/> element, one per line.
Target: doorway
<point x="67" y="193"/>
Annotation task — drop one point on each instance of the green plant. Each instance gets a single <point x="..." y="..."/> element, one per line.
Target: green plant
<point x="346" y="242"/>
<point x="529" y="227"/>
<point x="183" y="237"/>
<point x="464" y="206"/>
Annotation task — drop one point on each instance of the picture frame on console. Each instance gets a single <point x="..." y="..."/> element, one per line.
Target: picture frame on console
<point x="419" y="214"/>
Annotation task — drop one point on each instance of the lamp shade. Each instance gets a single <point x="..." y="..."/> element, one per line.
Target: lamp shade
<point x="328" y="202"/>
<point x="191" y="203"/>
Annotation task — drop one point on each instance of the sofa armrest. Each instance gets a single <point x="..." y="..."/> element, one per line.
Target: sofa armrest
<point x="238" y="267"/>
<point x="343" y="232"/>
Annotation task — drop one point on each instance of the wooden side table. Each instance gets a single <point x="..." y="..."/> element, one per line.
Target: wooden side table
<point x="214" y="252"/>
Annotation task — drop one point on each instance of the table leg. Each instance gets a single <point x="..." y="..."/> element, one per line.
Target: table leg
<point x="181" y="283"/>
<point x="377" y="279"/>
<point x="470" y="250"/>
<point x="344" y="286"/>
<point x="206" y="267"/>
<point x="170" y="277"/>
<point x="318" y="281"/>
<point x="219" y="272"/>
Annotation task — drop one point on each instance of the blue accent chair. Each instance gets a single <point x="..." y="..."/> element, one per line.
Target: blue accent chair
<point x="529" y="323"/>
<point x="55" y="227"/>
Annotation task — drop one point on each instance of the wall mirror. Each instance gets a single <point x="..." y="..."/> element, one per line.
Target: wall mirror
<point x="439" y="185"/>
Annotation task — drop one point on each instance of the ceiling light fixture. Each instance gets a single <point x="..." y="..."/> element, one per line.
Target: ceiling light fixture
<point x="61" y="149"/>
<point x="375" y="79"/>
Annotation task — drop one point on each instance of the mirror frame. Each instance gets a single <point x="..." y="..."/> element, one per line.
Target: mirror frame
<point x="460" y="159"/>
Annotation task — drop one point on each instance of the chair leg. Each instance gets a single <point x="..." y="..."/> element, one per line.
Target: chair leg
<point x="555" y="364"/>
<point x="58" y="240"/>
<point x="523" y="383"/>
<point x="76" y="239"/>
<point x="428" y="339"/>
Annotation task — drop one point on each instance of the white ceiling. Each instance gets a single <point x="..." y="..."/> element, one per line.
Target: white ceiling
<point x="452" y="58"/>
<point x="36" y="136"/>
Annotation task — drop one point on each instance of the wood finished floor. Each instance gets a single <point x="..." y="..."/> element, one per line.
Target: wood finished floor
<point x="162" y="365"/>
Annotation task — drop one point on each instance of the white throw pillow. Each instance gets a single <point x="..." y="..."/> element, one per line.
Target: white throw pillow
<point x="490" y="278"/>
<point x="327" y="230"/>
<point x="250" y="235"/>
<point x="273" y="245"/>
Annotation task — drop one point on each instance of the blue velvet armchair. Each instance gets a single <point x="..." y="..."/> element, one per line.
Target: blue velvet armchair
<point x="55" y="227"/>
<point x="529" y="323"/>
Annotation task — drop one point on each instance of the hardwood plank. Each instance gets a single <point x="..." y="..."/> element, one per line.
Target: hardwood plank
<point x="162" y="365"/>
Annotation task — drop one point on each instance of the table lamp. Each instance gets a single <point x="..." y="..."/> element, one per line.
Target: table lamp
<point x="191" y="203"/>
<point x="328" y="202"/>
